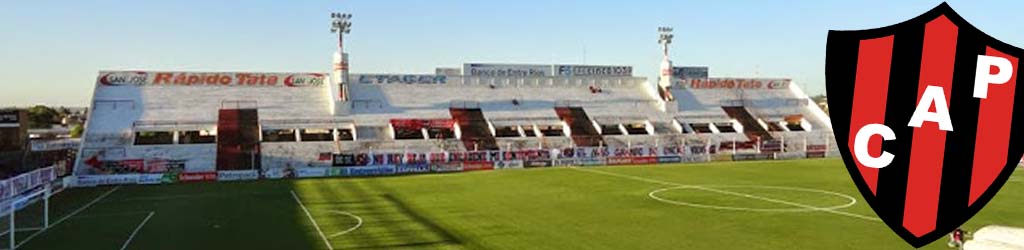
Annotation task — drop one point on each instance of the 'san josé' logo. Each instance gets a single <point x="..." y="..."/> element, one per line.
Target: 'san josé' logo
<point x="924" y="114"/>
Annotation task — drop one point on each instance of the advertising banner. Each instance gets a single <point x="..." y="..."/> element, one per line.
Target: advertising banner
<point x="620" y="160"/>
<point x="721" y="157"/>
<point x="506" y="70"/>
<point x="565" y="162"/>
<point x="398" y="79"/>
<point x="737" y="83"/>
<point x="412" y="168"/>
<point x="818" y="154"/>
<point x="477" y="165"/>
<point x="644" y="160"/>
<point x="50" y="145"/>
<point x="150" y="179"/>
<point x="237" y="175"/>
<point x="111" y="179"/>
<point x="753" y="156"/>
<point x="687" y="73"/>
<point x="278" y="173"/>
<point x="228" y="79"/>
<point x="170" y="177"/>
<point x="669" y="159"/>
<point x="508" y="164"/>
<point x="9" y="116"/>
<point x="344" y="160"/>
<point x="442" y="167"/>
<point x="817" y="147"/>
<point x="790" y="155"/>
<point x="593" y="70"/>
<point x="197" y="176"/>
<point x="376" y="170"/>
<point x="307" y="172"/>
<point x="336" y="172"/>
<point x="537" y="163"/>
<point x="592" y="161"/>
<point x="693" y="158"/>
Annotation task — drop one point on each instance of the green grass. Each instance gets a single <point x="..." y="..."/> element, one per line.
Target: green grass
<point x="551" y="208"/>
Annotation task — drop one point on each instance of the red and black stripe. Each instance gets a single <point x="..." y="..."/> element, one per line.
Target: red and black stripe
<point x="938" y="179"/>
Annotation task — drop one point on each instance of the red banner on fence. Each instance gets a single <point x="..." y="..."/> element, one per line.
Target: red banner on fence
<point x="198" y="176"/>
<point x="477" y="165"/>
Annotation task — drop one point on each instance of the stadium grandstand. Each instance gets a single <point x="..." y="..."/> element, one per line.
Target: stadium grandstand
<point x="198" y="123"/>
<point x="155" y="122"/>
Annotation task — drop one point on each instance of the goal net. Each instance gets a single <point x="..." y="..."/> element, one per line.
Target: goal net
<point x="25" y="206"/>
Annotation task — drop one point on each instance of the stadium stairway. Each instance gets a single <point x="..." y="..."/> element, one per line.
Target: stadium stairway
<point x="583" y="132"/>
<point x="238" y="139"/>
<point x="751" y="127"/>
<point x="476" y="134"/>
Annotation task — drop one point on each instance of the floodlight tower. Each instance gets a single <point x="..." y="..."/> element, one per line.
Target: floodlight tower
<point x="665" y="38"/>
<point x="341" y="24"/>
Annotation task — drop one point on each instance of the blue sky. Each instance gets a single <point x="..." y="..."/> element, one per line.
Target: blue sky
<point x="51" y="50"/>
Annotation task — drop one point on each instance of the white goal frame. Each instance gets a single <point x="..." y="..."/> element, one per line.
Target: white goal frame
<point x="13" y="205"/>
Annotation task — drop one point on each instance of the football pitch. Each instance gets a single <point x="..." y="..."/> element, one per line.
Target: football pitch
<point x="800" y="204"/>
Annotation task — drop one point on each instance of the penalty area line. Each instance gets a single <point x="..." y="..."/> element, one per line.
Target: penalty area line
<point x="132" y="236"/>
<point x="853" y="215"/>
<point x="310" y="216"/>
<point x="73" y="213"/>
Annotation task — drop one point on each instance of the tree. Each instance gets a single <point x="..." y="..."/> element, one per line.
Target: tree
<point x="822" y="101"/>
<point x="42" y="117"/>
<point x="76" y="131"/>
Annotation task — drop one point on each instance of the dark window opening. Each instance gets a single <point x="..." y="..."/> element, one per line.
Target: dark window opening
<point x="197" y="137"/>
<point x="610" y="129"/>
<point x="506" y="132"/>
<point x="408" y="134"/>
<point x="313" y="134"/>
<point x="154" y="138"/>
<point x="552" y="131"/>
<point x="345" y="135"/>
<point x="279" y="135"/>
<point x="636" y="129"/>
<point x="440" y="133"/>
<point x="724" y="127"/>
<point x="529" y="132"/>
<point x="700" y="128"/>
<point x="794" y="126"/>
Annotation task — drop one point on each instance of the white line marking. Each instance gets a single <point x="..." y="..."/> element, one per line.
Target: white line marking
<point x="62" y="219"/>
<point x="132" y="236"/>
<point x="851" y="200"/>
<point x="730" y="193"/>
<point x="310" y="216"/>
<point x="87" y="216"/>
<point x="359" y="223"/>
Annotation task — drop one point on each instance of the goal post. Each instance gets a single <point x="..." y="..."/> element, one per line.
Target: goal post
<point x="29" y="212"/>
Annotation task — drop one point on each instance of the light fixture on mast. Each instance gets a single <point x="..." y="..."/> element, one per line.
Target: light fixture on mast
<point x="665" y="38"/>
<point x="341" y="24"/>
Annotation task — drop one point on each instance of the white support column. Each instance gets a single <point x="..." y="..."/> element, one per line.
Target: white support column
<point x="12" y="229"/>
<point x="46" y="207"/>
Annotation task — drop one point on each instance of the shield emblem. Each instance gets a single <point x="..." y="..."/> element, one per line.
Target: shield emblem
<point x="924" y="114"/>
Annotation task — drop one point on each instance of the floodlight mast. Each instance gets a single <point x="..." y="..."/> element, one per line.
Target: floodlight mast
<point x="665" y="38"/>
<point x="341" y="24"/>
